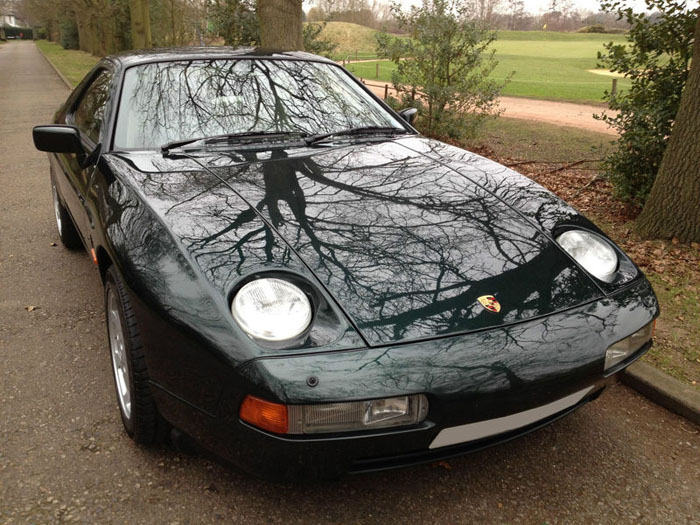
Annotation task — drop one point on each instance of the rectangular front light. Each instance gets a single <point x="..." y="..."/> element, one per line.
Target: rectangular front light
<point x="357" y="415"/>
<point x="628" y="346"/>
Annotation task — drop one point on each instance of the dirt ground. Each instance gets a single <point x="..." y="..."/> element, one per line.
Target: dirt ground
<point x="551" y="112"/>
<point x="65" y="458"/>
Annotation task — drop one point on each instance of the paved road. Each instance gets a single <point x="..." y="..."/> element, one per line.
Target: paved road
<point x="64" y="457"/>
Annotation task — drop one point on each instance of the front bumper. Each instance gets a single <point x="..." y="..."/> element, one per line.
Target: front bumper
<point x="476" y="381"/>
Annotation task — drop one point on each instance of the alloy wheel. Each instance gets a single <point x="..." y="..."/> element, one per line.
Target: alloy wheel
<point x="120" y="360"/>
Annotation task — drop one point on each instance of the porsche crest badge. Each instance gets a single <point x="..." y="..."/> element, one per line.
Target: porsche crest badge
<point x="490" y="303"/>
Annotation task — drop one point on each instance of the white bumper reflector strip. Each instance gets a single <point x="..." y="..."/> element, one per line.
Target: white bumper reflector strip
<point x="491" y="427"/>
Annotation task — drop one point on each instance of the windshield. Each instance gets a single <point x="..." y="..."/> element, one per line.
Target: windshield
<point x="172" y="101"/>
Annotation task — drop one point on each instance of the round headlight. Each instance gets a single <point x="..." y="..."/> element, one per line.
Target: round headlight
<point x="592" y="252"/>
<point x="271" y="310"/>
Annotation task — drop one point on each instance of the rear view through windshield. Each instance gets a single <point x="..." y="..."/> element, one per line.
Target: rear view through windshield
<point x="172" y="101"/>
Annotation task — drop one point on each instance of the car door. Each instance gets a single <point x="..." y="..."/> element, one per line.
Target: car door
<point x="88" y="115"/>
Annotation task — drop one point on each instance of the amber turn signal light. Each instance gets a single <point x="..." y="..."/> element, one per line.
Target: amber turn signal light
<point x="264" y="414"/>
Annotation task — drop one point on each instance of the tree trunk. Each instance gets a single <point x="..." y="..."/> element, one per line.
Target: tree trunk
<point x="108" y="43"/>
<point x="93" y="36"/>
<point x="140" y="24"/>
<point x="673" y="206"/>
<point x="280" y="24"/>
<point x="82" y="33"/>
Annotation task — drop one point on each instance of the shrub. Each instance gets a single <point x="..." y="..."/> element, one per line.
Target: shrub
<point x="656" y="58"/>
<point x="313" y="43"/>
<point x="596" y="28"/>
<point x="69" y="35"/>
<point x="442" y="68"/>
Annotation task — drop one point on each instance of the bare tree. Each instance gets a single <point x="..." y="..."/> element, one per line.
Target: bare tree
<point x="485" y="9"/>
<point x="140" y="24"/>
<point x="516" y="11"/>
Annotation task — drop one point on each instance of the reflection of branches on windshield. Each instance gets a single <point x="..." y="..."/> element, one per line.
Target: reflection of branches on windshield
<point x="181" y="100"/>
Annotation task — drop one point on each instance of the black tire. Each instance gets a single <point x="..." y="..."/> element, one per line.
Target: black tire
<point x="66" y="228"/>
<point x="137" y="407"/>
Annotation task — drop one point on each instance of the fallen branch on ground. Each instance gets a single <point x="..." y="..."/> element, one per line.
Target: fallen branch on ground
<point x="588" y="184"/>
<point x="566" y="167"/>
<point x="572" y="164"/>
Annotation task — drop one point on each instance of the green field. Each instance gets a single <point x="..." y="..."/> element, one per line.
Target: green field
<point x="546" y="65"/>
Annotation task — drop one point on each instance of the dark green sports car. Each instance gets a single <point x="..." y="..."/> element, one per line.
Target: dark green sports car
<point x="302" y="283"/>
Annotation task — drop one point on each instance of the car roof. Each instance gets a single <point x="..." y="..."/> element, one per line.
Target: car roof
<point x="143" y="56"/>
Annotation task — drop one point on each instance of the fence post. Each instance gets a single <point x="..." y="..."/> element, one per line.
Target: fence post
<point x="377" y="75"/>
<point x="413" y="94"/>
<point x="613" y="92"/>
<point x="386" y="91"/>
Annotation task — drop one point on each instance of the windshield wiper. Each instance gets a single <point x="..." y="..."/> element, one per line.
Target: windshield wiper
<point x="232" y="137"/>
<point x="366" y="130"/>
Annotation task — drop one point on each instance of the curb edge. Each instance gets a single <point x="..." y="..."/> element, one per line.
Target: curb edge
<point x="663" y="390"/>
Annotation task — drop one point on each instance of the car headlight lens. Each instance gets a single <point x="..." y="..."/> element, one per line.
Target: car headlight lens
<point x="272" y="310"/>
<point x="628" y="346"/>
<point x="592" y="252"/>
<point x="334" y="417"/>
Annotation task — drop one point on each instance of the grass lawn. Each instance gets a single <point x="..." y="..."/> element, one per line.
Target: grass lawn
<point x="73" y="64"/>
<point x="546" y="65"/>
<point x="676" y="347"/>
<point x="524" y="140"/>
<point x="553" y="69"/>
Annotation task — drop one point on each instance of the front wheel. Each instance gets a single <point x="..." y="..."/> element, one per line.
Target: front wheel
<point x="138" y="410"/>
<point x="66" y="229"/>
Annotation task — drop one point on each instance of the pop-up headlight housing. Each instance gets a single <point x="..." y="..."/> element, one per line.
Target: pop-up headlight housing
<point x="592" y="252"/>
<point x="272" y="310"/>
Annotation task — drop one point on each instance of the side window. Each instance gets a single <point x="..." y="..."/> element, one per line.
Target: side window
<point x="89" y="114"/>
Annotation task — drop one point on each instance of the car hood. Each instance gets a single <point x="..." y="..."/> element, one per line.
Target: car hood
<point x="410" y="241"/>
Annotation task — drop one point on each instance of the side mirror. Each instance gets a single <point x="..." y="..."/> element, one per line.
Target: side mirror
<point x="57" y="139"/>
<point x="409" y="114"/>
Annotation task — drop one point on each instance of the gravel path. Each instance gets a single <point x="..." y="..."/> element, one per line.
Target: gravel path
<point x="64" y="456"/>
<point x="559" y="113"/>
<point x="551" y="112"/>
